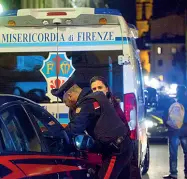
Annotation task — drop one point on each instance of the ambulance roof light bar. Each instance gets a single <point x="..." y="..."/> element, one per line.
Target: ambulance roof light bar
<point x="107" y="11"/>
<point x="63" y="16"/>
<point x="62" y="11"/>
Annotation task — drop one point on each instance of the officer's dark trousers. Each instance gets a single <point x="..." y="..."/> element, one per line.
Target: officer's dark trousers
<point x="174" y="141"/>
<point x="115" y="167"/>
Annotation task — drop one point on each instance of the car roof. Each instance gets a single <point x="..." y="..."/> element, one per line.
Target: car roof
<point x="6" y="98"/>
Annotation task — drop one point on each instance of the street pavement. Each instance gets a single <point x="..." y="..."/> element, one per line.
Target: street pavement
<point x="159" y="162"/>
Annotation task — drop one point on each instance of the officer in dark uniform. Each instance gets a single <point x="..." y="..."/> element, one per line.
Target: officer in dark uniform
<point x="94" y="113"/>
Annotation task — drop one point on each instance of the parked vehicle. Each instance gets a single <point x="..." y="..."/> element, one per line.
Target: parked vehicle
<point x="152" y="97"/>
<point x="33" y="144"/>
<point x="156" y="127"/>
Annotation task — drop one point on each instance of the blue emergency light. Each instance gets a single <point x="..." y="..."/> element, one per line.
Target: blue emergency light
<point x="9" y="13"/>
<point x="107" y="11"/>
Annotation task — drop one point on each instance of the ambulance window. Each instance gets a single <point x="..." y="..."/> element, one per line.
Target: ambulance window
<point x="98" y="63"/>
<point x="20" y="75"/>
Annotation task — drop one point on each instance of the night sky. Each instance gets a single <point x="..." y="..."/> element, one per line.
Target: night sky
<point x="161" y="8"/>
<point x="126" y="7"/>
<point x="166" y="7"/>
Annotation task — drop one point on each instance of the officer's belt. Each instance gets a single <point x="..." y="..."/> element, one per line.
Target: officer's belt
<point x="119" y="144"/>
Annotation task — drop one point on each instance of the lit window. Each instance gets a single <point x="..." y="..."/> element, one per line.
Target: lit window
<point x="161" y="78"/>
<point x="159" y="50"/>
<point x="173" y="50"/>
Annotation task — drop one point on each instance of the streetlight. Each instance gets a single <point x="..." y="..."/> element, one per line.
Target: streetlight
<point x="1" y="8"/>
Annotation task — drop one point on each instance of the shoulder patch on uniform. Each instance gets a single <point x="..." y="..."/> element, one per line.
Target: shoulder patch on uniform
<point x="78" y="110"/>
<point x="96" y="105"/>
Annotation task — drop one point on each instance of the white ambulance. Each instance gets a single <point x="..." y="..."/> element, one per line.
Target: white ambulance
<point x="41" y="48"/>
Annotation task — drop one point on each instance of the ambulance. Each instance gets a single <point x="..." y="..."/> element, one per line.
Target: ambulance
<point x="40" y="49"/>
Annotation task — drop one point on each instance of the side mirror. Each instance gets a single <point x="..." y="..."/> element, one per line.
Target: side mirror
<point x="83" y="142"/>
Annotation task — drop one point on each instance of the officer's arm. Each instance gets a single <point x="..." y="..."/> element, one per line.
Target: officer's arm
<point x="84" y="114"/>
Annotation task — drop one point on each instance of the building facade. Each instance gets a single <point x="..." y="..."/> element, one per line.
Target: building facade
<point x="144" y="10"/>
<point x="168" y="49"/>
<point x="163" y="62"/>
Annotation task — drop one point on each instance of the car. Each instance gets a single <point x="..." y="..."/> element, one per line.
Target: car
<point x="156" y="128"/>
<point x="155" y="116"/>
<point x="151" y="97"/>
<point x="33" y="144"/>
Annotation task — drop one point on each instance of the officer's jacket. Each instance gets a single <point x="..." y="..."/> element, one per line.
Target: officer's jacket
<point x="97" y="116"/>
<point x="83" y="116"/>
<point x="118" y="110"/>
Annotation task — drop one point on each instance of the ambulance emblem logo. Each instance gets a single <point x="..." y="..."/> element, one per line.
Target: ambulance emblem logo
<point x="56" y="69"/>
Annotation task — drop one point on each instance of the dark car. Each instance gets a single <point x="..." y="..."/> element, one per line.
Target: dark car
<point x="34" y="145"/>
<point x="155" y="116"/>
<point x="151" y="97"/>
<point x="155" y="125"/>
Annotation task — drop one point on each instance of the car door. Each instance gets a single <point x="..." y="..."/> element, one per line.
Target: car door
<point x="29" y="155"/>
<point x="68" y="165"/>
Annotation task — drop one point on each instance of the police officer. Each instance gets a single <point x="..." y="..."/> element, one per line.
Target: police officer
<point x="94" y="113"/>
<point x="177" y="136"/>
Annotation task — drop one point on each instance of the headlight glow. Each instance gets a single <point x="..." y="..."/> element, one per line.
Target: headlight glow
<point x="150" y="124"/>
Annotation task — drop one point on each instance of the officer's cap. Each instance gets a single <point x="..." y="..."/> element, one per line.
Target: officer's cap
<point x="63" y="89"/>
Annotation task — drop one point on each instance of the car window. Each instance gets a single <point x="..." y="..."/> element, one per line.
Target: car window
<point x="6" y="142"/>
<point x="20" y="129"/>
<point x="46" y="122"/>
